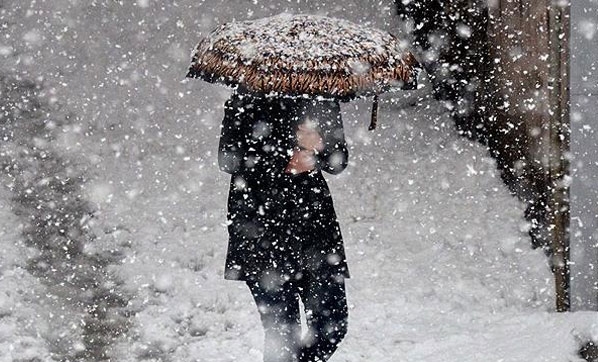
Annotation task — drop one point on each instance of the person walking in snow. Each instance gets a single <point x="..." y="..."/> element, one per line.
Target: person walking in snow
<point x="285" y="241"/>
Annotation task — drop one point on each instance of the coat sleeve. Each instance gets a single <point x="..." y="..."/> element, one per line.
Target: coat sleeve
<point x="231" y="148"/>
<point x="335" y="155"/>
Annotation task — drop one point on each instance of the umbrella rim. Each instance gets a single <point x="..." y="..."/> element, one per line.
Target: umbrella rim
<point x="236" y="85"/>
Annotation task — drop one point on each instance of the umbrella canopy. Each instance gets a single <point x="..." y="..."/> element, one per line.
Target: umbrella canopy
<point x="304" y="54"/>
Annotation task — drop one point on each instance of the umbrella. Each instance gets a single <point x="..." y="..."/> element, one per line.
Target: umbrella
<point x="305" y="54"/>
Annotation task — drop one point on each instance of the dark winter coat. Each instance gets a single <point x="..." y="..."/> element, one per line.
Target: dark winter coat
<point x="279" y="223"/>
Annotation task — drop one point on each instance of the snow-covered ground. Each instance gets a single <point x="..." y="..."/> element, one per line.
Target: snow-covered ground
<point x="23" y="304"/>
<point x="441" y="264"/>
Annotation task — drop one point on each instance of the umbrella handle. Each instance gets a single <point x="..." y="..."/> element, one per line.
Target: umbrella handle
<point x="374" y="120"/>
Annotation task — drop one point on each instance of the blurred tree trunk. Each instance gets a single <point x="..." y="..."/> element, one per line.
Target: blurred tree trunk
<point x="502" y="68"/>
<point x="453" y="43"/>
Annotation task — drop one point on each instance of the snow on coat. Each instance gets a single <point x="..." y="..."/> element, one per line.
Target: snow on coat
<point x="280" y="223"/>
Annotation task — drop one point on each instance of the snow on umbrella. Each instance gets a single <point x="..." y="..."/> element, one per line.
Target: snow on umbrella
<point x="305" y="54"/>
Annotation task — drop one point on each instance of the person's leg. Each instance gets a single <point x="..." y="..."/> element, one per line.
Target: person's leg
<point x="327" y="316"/>
<point x="279" y="312"/>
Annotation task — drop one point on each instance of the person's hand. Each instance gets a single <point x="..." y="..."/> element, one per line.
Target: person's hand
<point x="301" y="161"/>
<point x="308" y="137"/>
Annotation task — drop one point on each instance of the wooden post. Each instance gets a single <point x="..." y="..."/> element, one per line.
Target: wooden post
<point x="558" y="18"/>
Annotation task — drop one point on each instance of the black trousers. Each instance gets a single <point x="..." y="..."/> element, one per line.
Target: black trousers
<point x="326" y="312"/>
